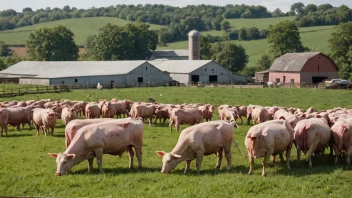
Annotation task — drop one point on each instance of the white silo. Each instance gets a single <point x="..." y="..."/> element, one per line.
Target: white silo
<point x="194" y="45"/>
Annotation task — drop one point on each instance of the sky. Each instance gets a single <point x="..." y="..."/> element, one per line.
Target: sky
<point x="284" y="5"/>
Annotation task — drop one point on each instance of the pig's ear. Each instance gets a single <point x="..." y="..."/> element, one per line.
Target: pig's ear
<point x="175" y="156"/>
<point x="265" y="132"/>
<point x="71" y="156"/>
<point x="160" y="153"/>
<point x="249" y="136"/>
<point x="53" y="155"/>
<point x="125" y="125"/>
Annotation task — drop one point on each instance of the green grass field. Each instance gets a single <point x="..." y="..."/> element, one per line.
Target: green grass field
<point x="27" y="170"/>
<point x="316" y="38"/>
<point x="81" y="27"/>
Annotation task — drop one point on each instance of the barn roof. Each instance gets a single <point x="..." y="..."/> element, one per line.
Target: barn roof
<point x="57" y="69"/>
<point x="179" y="66"/>
<point x="170" y="53"/>
<point x="292" y="62"/>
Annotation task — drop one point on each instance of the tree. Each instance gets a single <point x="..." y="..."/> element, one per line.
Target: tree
<point x="225" y="25"/>
<point x="297" y="8"/>
<point x="242" y="34"/>
<point x="265" y="62"/>
<point x="283" y="38"/>
<point x="253" y="33"/>
<point x="310" y="8"/>
<point x="341" y="49"/>
<point x="230" y="55"/>
<point x="2" y="64"/>
<point x="324" y="7"/>
<point x="205" y="48"/>
<point x="52" y="44"/>
<point x="130" y="42"/>
<point x="277" y="13"/>
<point x="4" y="50"/>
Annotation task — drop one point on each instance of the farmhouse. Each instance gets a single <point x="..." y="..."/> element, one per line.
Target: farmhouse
<point x="194" y="71"/>
<point x="309" y="67"/>
<point x="116" y="73"/>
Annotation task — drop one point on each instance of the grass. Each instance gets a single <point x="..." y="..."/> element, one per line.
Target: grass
<point x="81" y="27"/>
<point x="27" y="170"/>
<point x="316" y="38"/>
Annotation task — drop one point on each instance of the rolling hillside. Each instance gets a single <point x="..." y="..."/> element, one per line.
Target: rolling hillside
<point x="81" y="27"/>
<point x="313" y="37"/>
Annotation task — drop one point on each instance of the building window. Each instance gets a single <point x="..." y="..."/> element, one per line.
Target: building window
<point x="76" y="80"/>
<point x="221" y="73"/>
<point x="140" y="79"/>
<point x="277" y="80"/>
<point x="292" y="81"/>
<point x="212" y="69"/>
<point x="205" y="69"/>
<point x="146" y="68"/>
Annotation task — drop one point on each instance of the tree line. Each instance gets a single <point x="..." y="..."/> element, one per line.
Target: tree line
<point x="200" y="17"/>
<point x="324" y="14"/>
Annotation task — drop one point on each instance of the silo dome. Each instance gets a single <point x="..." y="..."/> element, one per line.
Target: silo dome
<point x="194" y="33"/>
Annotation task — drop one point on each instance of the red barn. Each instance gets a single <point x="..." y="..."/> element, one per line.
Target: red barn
<point x="309" y="67"/>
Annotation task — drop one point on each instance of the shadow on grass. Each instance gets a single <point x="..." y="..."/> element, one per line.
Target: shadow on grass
<point x="115" y="171"/>
<point x="18" y="134"/>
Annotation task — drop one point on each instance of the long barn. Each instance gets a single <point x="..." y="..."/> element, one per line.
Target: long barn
<point x="112" y="73"/>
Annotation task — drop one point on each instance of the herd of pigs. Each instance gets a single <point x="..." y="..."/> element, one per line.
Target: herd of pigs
<point x="274" y="132"/>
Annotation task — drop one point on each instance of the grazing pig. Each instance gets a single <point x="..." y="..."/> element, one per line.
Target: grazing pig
<point x="4" y="118"/>
<point x="92" y="110"/>
<point x="44" y="119"/>
<point x="72" y="127"/>
<point x="269" y="138"/>
<point x="311" y="135"/>
<point x="250" y="109"/>
<point x="68" y="114"/>
<point x="110" y="137"/>
<point x="144" y="111"/>
<point x="259" y="115"/>
<point x="194" y="142"/>
<point x="18" y="116"/>
<point x="342" y="136"/>
<point x="242" y="111"/>
<point x="230" y="114"/>
<point x="161" y="114"/>
<point x="186" y="116"/>
<point x="271" y="112"/>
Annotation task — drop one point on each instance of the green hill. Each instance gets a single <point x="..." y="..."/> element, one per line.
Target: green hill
<point x="81" y="27"/>
<point x="316" y="38"/>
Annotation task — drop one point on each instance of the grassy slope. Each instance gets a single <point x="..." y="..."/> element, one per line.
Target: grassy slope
<point x="81" y="27"/>
<point x="313" y="37"/>
<point x="26" y="169"/>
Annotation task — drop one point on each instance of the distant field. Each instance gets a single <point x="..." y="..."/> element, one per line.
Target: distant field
<point x="26" y="170"/>
<point x="81" y="27"/>
<point x="262" y="23"/>
<point x="316" y="38"/>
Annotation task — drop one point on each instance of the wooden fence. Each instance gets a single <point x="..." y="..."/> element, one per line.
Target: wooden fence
<point x="12" y="92"/>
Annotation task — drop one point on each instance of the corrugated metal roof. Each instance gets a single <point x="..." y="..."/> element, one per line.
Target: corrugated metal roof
<point x="292" y="62"/>
<point x="170" y="53"/>
<point x="179" y="66"/>
<point x="56" y="69"/>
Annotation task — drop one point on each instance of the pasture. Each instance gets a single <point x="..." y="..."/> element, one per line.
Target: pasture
<point x="81" y="27"/>
<point x="27" y="170"/>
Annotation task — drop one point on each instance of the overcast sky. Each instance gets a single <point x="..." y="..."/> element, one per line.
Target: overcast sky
<point x="284" y="5"/>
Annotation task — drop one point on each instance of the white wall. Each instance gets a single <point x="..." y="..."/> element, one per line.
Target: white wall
<point x="224" y="75"/>
<point x="149" y="73"/>
<point x="34" y="81"/>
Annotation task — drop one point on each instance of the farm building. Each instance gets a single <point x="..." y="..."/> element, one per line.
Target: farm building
<point x="309" y="67"/>
<point x="262" y="77"/>
<point x="194" y="71"/>
<point x="170" y="55"/>
<point x="116" y="73"/>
